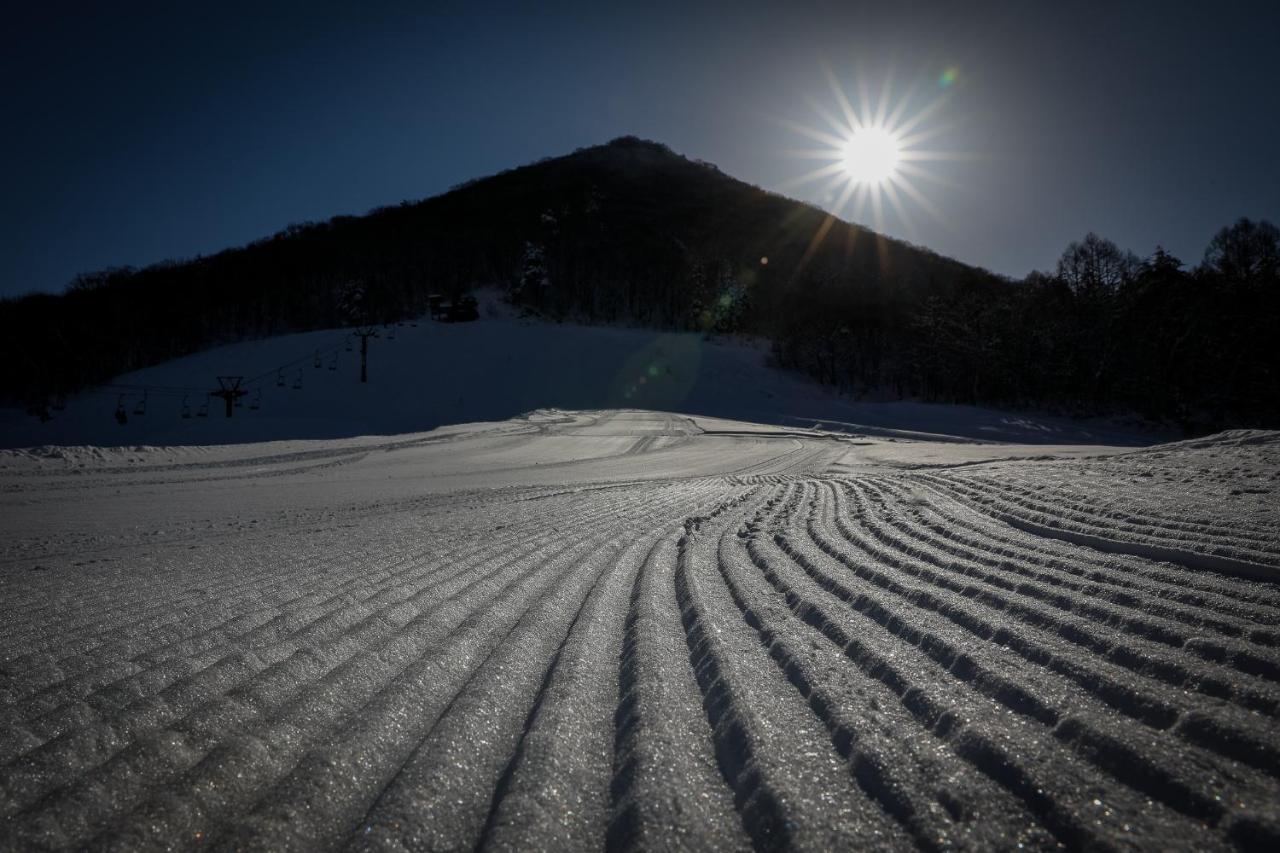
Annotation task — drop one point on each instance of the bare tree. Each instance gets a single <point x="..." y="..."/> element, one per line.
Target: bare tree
<point x="1095" y="265"/>
<point x="1247" y="251"/>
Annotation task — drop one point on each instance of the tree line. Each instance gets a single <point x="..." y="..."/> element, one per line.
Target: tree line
<point x="1105" y="332"/>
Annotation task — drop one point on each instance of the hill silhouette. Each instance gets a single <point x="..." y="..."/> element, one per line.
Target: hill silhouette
<point x="627" y="231"/>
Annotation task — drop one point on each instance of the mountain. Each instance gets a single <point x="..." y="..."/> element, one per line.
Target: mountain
<point x="631" y="233"/>
<point x="624" y="232"/>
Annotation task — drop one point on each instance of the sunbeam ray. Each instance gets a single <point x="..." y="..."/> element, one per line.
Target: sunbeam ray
<point x="896" y="203"/>
<point x="829" y="117"/>
<point x="919" y="156"/>
<point x="924" y="113"/>
<point x="836" y="168"/>
<point x="812" y="133"/>
<point x="924" y="174"/>
<point x="877" y="206"/>
<point x="859" y="202"/>
<point x="900" y="107"/>
<point x="919" y="198"/>
<point x="849" y="187"/>
<point x="882" y="105"/>
<point x="847" y="108"/>
<point x="923" y="135"/>
<point x="812" y="153"/>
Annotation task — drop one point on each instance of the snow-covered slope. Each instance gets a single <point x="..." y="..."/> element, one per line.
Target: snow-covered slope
<point x="631" y="630"/>
<point x="433" y="373"/>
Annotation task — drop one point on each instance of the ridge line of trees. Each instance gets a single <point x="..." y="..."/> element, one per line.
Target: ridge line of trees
<point x="1106" y="332"/>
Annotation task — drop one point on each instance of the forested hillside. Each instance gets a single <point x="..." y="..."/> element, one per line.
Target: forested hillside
<point x="631" y="232"/>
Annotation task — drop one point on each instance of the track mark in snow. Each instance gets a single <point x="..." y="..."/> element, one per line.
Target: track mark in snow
<point x="754" y="647"/>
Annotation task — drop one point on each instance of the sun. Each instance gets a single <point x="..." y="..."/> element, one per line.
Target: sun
<point x="871" y="156"/>
<point x="873" y="148"/>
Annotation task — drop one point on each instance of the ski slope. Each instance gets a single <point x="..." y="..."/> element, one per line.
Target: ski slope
<point x="628" y="629"/>
<point x="427" y="374"/>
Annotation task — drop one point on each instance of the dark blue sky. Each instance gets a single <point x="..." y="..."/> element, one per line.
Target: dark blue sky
<point x="137" y="132"/>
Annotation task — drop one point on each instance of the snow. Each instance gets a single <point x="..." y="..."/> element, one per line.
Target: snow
<point x="432" y="374"/>
<point x="621" y="628"/>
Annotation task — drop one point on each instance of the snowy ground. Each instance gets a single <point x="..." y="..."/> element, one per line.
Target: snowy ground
<point x="424" y="375"/>
<point x="636" y="630"/>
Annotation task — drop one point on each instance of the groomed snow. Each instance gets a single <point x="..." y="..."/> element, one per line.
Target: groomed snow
<point x="629" y="629"/>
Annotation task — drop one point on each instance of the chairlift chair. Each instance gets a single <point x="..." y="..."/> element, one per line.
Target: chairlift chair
<point x="316" y="362"/>
<point x="333" y="362"/>
<point x="256" y="402"/>
<point x="141" y="408"/>
<point x="186" y="409"/>
<point x="280" y="378"/>
<point x="203" y="412"/>
<point x="348" y="343"/>
<point x="297" y="381"/>
<point x="122" y="416"/>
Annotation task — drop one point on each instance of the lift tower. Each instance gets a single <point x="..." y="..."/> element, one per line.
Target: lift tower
<point x="229" y="390"/>
<point x="364" y="333"/>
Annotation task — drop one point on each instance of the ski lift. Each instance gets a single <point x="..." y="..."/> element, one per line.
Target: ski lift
<point x="297" y="381"/>
<point x="141" y="408"/>
<point x="122" y="417"/>
<point x="256" y="402"/>
<point x="204" y="408"/>
<point x="316" y="362"/>
<point x="280" y="378"/>
<point x="333" y="362"/>
<point x="186" y="409"/>
<point x="348" y="343"/>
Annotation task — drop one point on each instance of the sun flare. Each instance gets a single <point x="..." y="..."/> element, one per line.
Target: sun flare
<point x="871" y="156"/>
<point x="873" y="148"/>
